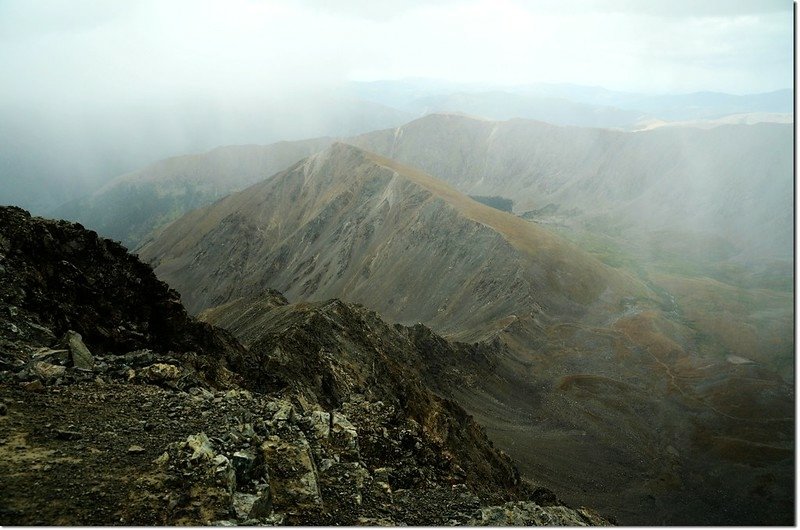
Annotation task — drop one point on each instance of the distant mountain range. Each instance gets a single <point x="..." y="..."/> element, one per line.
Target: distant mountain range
<point x="133" y="205"/>
<point x="687" y="179"/>
<point x="50" y="157"/>
<point x="680" y="179"/>
<point x="413" y="94"/>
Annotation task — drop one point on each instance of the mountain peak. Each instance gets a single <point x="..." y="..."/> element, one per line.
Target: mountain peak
<point x="348" y="223"/>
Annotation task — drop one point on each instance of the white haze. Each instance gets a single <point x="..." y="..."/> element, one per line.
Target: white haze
<point x="92" y="88"/>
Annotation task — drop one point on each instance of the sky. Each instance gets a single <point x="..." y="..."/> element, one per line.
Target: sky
<point x="59" y="52"/>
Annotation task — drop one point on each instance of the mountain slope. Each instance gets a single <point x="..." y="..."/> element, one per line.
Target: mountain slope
<point x="732" y="181"/>
<point x="54" y="154"/>
<point x="141" y="417"/>
<point x="131" y="206"/>
<point x="601" y="389"/>
<point x="351" y="224"/>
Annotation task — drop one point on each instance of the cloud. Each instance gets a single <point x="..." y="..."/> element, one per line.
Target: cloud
<point x="91" y="51"/>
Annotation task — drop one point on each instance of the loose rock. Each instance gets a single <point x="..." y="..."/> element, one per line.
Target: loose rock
<point x="80" y="355"/>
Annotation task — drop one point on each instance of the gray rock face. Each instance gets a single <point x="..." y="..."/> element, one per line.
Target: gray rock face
<point x="294" y="475"/>
<point x="79" y="354"/>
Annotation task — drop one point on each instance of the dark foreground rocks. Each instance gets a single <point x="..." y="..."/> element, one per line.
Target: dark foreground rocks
<point x="117" y="408"/>
<point x="229" y="458"/>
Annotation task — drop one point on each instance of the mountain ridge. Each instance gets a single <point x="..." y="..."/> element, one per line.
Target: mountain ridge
<point x="377" y="203"/>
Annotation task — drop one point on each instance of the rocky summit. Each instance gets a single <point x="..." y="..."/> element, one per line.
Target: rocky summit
<point x="117" y="408"/>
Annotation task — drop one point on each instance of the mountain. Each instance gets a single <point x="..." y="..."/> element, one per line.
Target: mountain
<point x="133" y="205"/>
<point x="615" y="387"/>
<point x="348" y="223"/>
<point x="52" y="154"/>
<point x="129" y="211"/>
<point x="731" y="181"/>
<point x="499" y="105"/>
<point x="149" y="417"/>
<point x="406" y="94"/>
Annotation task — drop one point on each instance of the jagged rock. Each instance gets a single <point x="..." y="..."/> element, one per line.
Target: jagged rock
<point x="243" y="504"/>
<point x="319" y="423"/>
<point x="160" y="373"/>
<point x="243" y="462"/>
<point x="262" y="506"/>
<point x="235" y="394"/>
<point x="201" y="447"/>
<point x="224" y="473"/>
<point x="344" y="433"/>
<point x="33" y="386"/>
<point x="201" y="393"/>
<point x="283" y="411"/>
<point x="136" y="449"/>
<point x="526" y="513"/>
<point x="51" y="356"/>
<point x="293" y="475"/>
<point x="79" y="354"/>
<point x="48" y="371"/>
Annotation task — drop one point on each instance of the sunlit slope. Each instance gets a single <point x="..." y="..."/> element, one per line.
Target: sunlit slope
<point x="131" y="206"/>
<point x="347" y="223"/>
<point x="733" y="181"/>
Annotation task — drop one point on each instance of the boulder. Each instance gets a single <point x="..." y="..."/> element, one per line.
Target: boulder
<point x="48" y="371"/>
<point x="526" y="513"/>
<point x="319" y="424"/>
<point x="79" y="354"/>
<point x="293" y="475"/>
<point x="200" y="446"/>
<point x="160" y="373"/>
<point x="243" y="463"/>
<point x="262" y="507"/>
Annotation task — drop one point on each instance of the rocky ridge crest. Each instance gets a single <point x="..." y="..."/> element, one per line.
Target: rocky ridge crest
<point x="118" y="408"/>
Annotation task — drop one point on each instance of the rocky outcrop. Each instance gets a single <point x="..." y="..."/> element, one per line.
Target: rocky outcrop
<point x="58" y="280"/>
<point x="138" y="413"/>
<point x="288" y="469"/>
<point x="338" y="354"/>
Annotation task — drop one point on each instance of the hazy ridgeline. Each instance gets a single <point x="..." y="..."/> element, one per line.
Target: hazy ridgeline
<point x="440" y="295"/>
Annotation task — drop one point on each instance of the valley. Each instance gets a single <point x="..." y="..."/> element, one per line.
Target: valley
<point x="448" y="263"/>
<point x="605" y="377"/>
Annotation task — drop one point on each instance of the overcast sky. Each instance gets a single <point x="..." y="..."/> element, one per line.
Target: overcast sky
<point x="62" y="51"/>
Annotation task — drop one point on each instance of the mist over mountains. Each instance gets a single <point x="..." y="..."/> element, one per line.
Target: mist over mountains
<point x="418" y="263"/>
<point x="53" y="155"/>
<point x="567" y="296"/>
<point x="578" y="345"/>
<point x="60" y="152"/>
